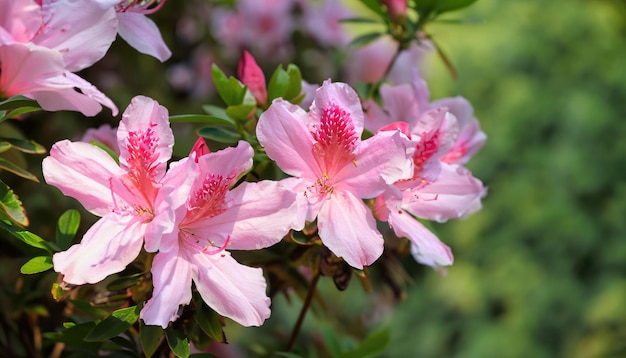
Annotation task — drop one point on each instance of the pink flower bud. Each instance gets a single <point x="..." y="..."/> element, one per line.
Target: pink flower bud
<point x="396" y="8"/>
<point x="200" y="148"/>
<point x="252" y="76"/>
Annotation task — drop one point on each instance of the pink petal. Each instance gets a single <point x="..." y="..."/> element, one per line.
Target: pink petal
<point x="286" y="139"/>
<point x="375" y="117"/>
<point x="344" y="97"/>
<point x="142" y="34"/>
<point x="20" y="18"/>
<point x="400" y="103"/>
<point x="25" y="68"/>
<point x="252" y="76"/>
<point x="229" y="162"/>
<point x="107" y="248"/>
<point x="231" y="289"/>
<point x="171" y="278"/>
<point x="380" y="160"/>
<point x="82" y="31"/>
<point x="260" y="215"/>
<point x="455" y="193"/>
<point x="145" y="138"/>
<point x="347" y="227"/>
<point x="425" y="246"/>
<point x="82" y="171"/>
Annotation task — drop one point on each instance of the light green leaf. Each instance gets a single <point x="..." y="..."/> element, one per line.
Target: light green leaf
<point x="365" y="39"/>
<point x="452" y="5"/>
<point x="373" y="345"/>
<point x="67" y="226"/>
<point x="11" y="205"/>
<point x="240" y="112"/>
<point x="25" y="236"/>
<point x="295" y="82"/>
<point x="278" y="84"/>
<point x="16" y="112"/>
<point x="179" y="344"/>
<point x="16" y="102"/>
<point x="116" y="323"/>
<point x="36" y="265"/>
<point x="230" y="89"/>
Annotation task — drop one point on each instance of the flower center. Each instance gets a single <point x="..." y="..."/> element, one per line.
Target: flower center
<point x="424" y="150"/>
<point x="141" y="6"/>
<point x="142" y="154"/>
<point x="209" y="199"/>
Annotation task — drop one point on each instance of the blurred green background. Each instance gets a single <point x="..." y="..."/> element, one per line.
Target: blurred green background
<point x="541" y="270"/>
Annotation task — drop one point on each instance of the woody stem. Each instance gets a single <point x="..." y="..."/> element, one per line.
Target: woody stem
<point x="303" y="310"/>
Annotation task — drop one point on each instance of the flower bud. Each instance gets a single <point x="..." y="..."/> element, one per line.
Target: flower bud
<point x="252" y="76"/>
<point x="396" y="8"/>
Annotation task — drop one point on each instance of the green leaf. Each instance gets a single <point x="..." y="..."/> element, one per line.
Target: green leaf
<point x="67" y="227"/>
<point x="373" y="345"/>
<point x="75" y="336"/>
<point x="179" y="344"/>
<point x="202" y="118"/>
<point x="240" y="112"/>
<point x="452" y="5"/>
<point x="89" y="309"/>
<point x="203" y="355"/>
<point x="150" y="337"/>
<point x="16" y="102"/>
<point x="107" y="149"/>
<point x="6" y="165"/>
<point x="288" y="355"/>
<point x="36" y="265"/>
<point x="359" y="20"/>
<point x="219" y="134"/>
<point x="26" y="236"/>
<point x="124" y="282"/>
<point x="230" y="89"/>
<point x="11" y="205"/>
<point x="278" y="84"/>
<point x="116" y="323"/>
<point x="17" y="112"/>
<point x="208" y="320"/>
<point x="4" y="146"/>
<point x="376" y="6"/>
<point x="365" y="39"/>
<point x="295" y="82"/>
<point x="26" y="146"/>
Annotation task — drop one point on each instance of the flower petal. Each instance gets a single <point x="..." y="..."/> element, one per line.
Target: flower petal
<point x="107" y="248"/>
<point x="261" y="214"/>
<point x="145" y="138"/>
<point x="287" y="140"/>
<point x="425" y="246"/>
<point x="231" y="289"/>
<point x="82" y="171"/>
<point x="347" y="227"/>
<point x="380" y="160"/>
<point x="142" y="34"/>
<point x="171" y="278"/>
<point x="344" y="97"/>
<point x="455" y="193"/>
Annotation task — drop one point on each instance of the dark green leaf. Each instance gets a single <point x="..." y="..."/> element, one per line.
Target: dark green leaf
<point x="16" y="102"/>
<point x="116" y="323"/>
<point x="278" y="84"/>
<point x="16" y="112"/>
<point x="6" y="165"/>
<point x="36" y="265"/>
<point x="179" y="344"/>
<point x="230" y="89"/>
<point x="376" y="6"/>
<point x="75" y="336"/>
<point x="359" y="20"/>
<point x="373" y="345"/>
<point x="208" y="320"/>
<point x="11" y="205"/>
<point x="219" y="134"/>
<point x="124" y="282"/>
<point x="202" y="118"/>
<point x="90" y="310"/>
<point x="365" y="39"/>
<point x="67" y="227"/>
<point x="26" y="236"/>
<point x="26" y="146"/>
<point x="288" y="355"/>
<point x="150" y="337"/>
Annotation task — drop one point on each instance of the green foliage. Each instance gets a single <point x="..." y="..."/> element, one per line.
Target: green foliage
<point x="36" y="265"/>
<point x="67" y="227"/>
<point x="12" y="206"/>
<point x="118" y="322"/>
<point x="285" y="84"/>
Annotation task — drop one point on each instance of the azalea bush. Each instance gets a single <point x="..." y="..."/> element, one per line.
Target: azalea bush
<point x="311" y="150"/>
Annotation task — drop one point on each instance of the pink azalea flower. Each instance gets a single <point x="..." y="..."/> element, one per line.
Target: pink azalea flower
<point x="438" y="190"/>
<point x="333" y="168"/>
<point x="128" y="196"/>
<point x="209" y="220"/>
<point x="42" y="43"/>
<point x="321" y="22"/>
<point x="137" y="29"/>
<point x="104" y="134"/>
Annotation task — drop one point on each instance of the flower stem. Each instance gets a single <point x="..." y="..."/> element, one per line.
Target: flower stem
<point x="305" y="307"/>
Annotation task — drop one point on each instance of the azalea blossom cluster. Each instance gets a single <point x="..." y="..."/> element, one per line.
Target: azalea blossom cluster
<point x="347" y="164"/>
<point x="43" y="42"/>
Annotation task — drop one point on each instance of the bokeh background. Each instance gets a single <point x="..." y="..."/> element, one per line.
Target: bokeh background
<point x="539" y="272"/>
